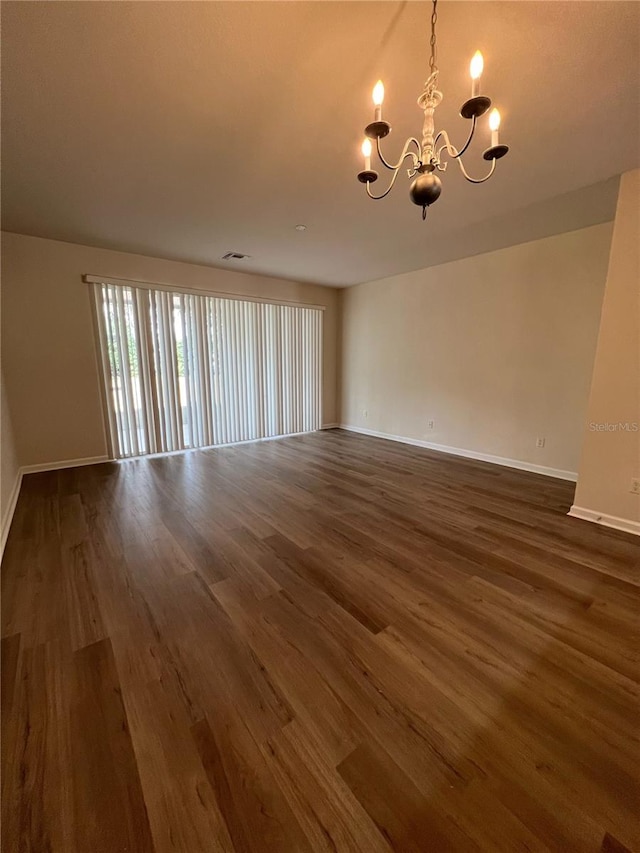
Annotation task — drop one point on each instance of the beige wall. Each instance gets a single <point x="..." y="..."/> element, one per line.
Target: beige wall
<point x="611" y="458"/>
<point x="48" y="346"/>
<point x="497" y="349"/>
<point x="9" y="462"/>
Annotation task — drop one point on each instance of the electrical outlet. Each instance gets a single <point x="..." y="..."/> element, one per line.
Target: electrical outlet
<point x="540" y="442"/>
<point x="635" y="486"/>
<point x="365" y="413"/>
<point x="430" y="424"/>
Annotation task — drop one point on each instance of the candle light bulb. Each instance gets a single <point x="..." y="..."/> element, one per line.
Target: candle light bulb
<point x="475" y="69"/>
<point x="494" y="124"/>
<point x="476" y="65"/>
<point x="366" y="150"/>
<point x="378" y="93"/>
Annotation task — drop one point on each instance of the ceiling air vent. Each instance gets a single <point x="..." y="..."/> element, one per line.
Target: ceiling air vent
<point x="235" y="256"/>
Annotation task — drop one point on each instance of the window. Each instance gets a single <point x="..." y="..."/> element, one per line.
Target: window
<point x="183" y="370"/>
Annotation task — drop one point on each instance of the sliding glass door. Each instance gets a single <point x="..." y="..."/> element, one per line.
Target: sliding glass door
<point x="183" y="370"/>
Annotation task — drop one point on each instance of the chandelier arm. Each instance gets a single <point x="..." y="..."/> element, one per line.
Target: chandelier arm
<point x="452" y="151"/>
<point x="389" y="188"/>
<point x="478" y="180"/>
<point x="405" y="153"/>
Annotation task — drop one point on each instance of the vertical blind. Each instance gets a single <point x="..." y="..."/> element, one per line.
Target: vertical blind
<point x="183" y="370"/>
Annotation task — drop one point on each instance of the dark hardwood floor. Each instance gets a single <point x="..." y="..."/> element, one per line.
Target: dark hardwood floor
<point x="323" y="643"/>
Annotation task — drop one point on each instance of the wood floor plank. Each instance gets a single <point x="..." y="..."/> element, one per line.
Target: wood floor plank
<point x="318" y="571"/>
<point x="328" y="642"/>
<point x="182" y="807"/>
<point x="78" y="565"/>
<point x="400" y="811"/>
<point x="611" y="845"/>
<point x="329" y="813"/>
<point x="37" y="803"/>
<point x="110" y="812"/>
<point x="313" y="701"/>
<point x="9" y="657"/>
<point x="257" y="813"/>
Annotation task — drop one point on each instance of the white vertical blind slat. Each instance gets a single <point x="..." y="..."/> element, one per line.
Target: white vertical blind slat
<point x="241" y="354"/>
<point x="233" y="378"/>
<point x="141" y="301"/>
<point x="162" y="389"/>
<point x="113" y="392"/>
<point x="222" y="404"/>
<point x="226" y="401"/>
<point x="100" y="307"/>
<point x="131" y="435"/>
<point x="162" y="356"/>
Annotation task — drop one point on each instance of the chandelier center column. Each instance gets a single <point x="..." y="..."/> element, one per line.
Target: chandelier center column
<point x="428" y="101"/>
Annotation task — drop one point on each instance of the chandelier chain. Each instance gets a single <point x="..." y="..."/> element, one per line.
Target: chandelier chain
<point x="432" y="40"/>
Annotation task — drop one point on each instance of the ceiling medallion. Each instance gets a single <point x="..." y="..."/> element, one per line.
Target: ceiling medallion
<point x="426" y="157"/>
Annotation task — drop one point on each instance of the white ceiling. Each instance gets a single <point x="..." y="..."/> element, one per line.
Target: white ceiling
<point x="184" y="130"/>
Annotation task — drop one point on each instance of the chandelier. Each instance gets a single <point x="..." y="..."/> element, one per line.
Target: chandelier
<point x="427" y="157"/>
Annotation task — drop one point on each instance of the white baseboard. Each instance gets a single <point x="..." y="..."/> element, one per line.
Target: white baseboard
<point x="330" y="426"/>
<point x="8" y="514"/>
<point x="66" y="463"/>
<point x="469" y="454"/>
<point x="605" y="520"/>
